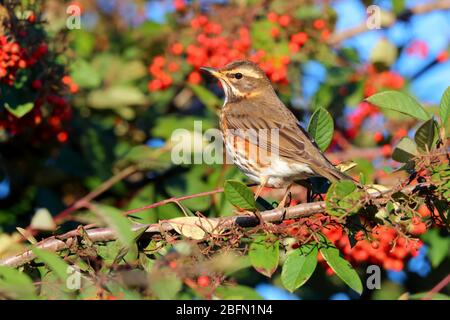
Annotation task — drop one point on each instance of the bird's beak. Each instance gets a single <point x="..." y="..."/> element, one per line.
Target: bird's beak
<point x="212" y="71"/>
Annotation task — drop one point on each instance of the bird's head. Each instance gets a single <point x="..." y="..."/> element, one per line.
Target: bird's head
<point x="241" y="80"/>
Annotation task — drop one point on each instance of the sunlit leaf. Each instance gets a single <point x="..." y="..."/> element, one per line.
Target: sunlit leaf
<point x="194" y="227"/>
<point x="444" y="109"/>
<point x="43" y="220"/>
<point x="19" y="110"/>
<point x="299" y="266"/>
<point x="401" y="102"/>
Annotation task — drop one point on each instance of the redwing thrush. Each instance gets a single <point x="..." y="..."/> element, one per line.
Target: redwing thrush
<point x="263" y="137"/>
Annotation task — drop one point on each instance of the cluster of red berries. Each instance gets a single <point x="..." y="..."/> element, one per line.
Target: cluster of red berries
<point x="49" y="127"/>
<point x="50" y="110"/>
<point x="386" y="247"/>
<point x="12" y="58"/>
<point x="381" y="80"/>
<point x="212" y="47"/>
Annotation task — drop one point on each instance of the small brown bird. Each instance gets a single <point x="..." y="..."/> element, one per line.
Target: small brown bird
<point x="263" y="137"/>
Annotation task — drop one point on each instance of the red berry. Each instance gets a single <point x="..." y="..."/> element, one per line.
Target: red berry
<point x="32" y="18"/>
<point x="194" y="77"/>
<point x="424" y="211"/>
<point x="378" y="137"/>
<point x="284" y="20"/>
<point x="203" y="281"/>
<point x="36" y="84"/>
<point x="272" y="17"/>
<point x="62" y="136"/>
<point x="177" y="49"/>
<point x="275" y="32"/>
<point x="319" y="24"/>
<point x="386" y="150"/>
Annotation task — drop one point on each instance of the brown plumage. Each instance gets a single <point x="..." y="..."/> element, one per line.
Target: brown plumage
<point x="252" y="107"/>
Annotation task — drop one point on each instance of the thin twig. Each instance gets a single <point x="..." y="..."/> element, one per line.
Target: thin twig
<point x="441" y="285"/>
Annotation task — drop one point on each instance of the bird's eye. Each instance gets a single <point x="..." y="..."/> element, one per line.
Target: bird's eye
<point x="238" y="75"/>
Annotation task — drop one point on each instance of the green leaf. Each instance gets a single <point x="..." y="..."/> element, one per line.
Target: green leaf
<point x="84" y="75"/>
<point x="444" y="110"/>
<point x="116" y="97"/>
<point x="299" y="267"/>
<point x="264" y="255"/>
<point x="16" y="285"/>
<point x="305" y="12"/>
<point x="206" y="97"/>
<point x="436" y="296"/>
<point x="238" y="292"/>
<point x="398" y="6"/>
<point x="405" y="150"/>
<point x="401" y="102"/>
<point x="343" y="198"/>
<point x="321" y="128"/>
<point x="165" y="286"/>
<point x="20" y="110"/>
<point x="239" y="195"/>
<point x="425" y="135"/>
<point x="439" y="246"/>
<point x="53" y="262"/>
<point x="114" y="219"/>
<point x="342" y="267"/>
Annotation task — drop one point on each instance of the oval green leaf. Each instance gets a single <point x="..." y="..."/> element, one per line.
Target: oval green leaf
<point x="444" y="109"/>
<point x="321" y="128"/>
<point x="399" y="101"/>
<point x="239" y="195"/>
<point x="264" y="255"/>
<point x="425" y="135"/>
<point x="299" y="266"/>
<point x="342" y="267"/>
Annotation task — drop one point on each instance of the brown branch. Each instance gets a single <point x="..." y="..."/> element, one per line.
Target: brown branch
<point x="338" y="37"/>
<point x="61" y="242"/>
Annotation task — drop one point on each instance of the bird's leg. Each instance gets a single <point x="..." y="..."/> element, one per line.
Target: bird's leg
<point x="261" y="187"/>
<point x="257" y="193"/>
<point x="287" y="195"/>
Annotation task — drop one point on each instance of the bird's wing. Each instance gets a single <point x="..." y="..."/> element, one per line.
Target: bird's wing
<point x="291" y="141"/>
